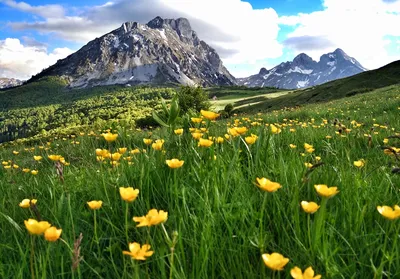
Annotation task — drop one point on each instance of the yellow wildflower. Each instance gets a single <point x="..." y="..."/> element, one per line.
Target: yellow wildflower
<point x="267" y="185"/>
<point x="95" y="204"/>
<point x="153" y="217"/>
<point x="325" y="191"/>
<point x="309" y="207"/>
<point x="209" y="114"/>
<point x="35" y="227"/>
<point x="138" y="252"/>
<point x="308" y="273"/>
<point x="388" y="212"/>
<point x="275" y="261"/>
<point x="128" y="194"/>
<point x="174" y="163"/>
<point x="52" y="234"/>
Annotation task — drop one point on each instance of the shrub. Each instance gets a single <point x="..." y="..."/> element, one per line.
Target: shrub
<point x="192" y="98"/>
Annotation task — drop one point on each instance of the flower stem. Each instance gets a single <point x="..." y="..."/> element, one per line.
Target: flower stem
<point x="32" y="258"/>
<point x="126" y="222"/>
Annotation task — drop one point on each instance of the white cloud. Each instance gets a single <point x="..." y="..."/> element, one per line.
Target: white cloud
<point x="241" y="34"/>
<point x="359" y="27"/>
<point x="21" y="61"/>
<point x="47" y="11"/>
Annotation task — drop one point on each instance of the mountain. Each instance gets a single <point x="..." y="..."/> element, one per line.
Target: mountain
<point x="159" y="52"/>
<point x="303" y="71"/>
<point x="361" y="83"/>
<point x="9" y="82"/>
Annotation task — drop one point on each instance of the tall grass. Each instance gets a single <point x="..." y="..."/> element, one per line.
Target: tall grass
<point x="221" y="221"/>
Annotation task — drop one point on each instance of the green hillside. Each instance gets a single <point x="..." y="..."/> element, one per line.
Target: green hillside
<point x="47" y="105"/>
<point x="358" y="84"/>
<point x="230" y="205"/>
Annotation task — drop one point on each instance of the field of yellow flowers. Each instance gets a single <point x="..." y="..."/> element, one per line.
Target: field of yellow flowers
<point x="299" y="193"/>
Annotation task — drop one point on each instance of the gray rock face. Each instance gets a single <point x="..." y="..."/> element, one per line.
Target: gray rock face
<point x="304" y="72"/>
<point x="9" y="82"/>
<point x="159" y="52"/>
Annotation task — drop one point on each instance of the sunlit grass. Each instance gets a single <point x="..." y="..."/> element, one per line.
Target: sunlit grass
<point x="225" y="210"/>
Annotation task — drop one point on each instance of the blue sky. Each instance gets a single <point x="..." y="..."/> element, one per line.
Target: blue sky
<point x="248" y="34"/>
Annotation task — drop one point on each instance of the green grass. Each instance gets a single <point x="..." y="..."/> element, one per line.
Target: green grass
<point x="341" y="88"/>
<point x="224" y="223"/>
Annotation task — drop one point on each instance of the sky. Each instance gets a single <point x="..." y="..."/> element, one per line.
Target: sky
<point x="248" y="35"/>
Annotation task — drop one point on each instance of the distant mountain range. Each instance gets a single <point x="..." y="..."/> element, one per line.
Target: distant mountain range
<point x="9" y="82"/>
<point x="303" y="71"/>
<point x="160" y="52"/>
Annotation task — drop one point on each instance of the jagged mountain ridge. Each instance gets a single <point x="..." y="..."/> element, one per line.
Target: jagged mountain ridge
<point x="303" y="71"/>
<point x="161" y="51"/>
<point x="9" y="82"/>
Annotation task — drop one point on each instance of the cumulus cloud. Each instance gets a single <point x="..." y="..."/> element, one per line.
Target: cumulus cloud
<point x="360" y="27"/>
<point x="241" y="33"/>
<point x="46" y="11"/>
<point x="21" y="61"/>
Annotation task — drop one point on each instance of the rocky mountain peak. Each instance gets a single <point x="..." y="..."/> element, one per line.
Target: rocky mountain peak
<point x="263" y="71"/>
<point x="303" y="71"/>
<point x="161" y="51"/>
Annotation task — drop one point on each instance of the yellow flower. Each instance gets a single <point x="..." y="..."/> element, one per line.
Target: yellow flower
<point x="135" y="151"/>
<point x="267" y="185"/>
<point x="128" y="194"/>
<point x="137" y="252"/>
<point x="34" y="172"/>
<point x="197" y="135"/>
<point x="328" y="137"/>
<point x="15" y="152"/>
<point x="122" y="150"/>
<point x="15" y="166"/>
<point x="54" y="157"/>
<point x="147" y="141"/>
<point x="205" y="143"/>
<point x="325" y="191"/>
<point x="317" y="158"/>
<point x="102" y="152"/>
<point x="158" y="144"/>
<point x="4" y="163"/>
<point x="388" y="212"/>
<point x="52" y="234"/>
<point x="241" y="130"/>
<point x="292" y="146"/>
<point x="308" y="273"/>
<point x="308" y="165"/>
<point x="309" y="207"/>
<point x="359" y="164"/>
<point x="110" y="137"/>
<point x="152" y="218"/>
<point x="251" y="140"/>
<point x="275" y="261"/>
<point x="115" y="156"/>
<point x="309" y="148"/>
<point x="178" y="132"/>
<point x="26" y="170"/>
<point x="174" y="163"/>
<point x="37" y="158"/>
<point x="196" y="119"/>
<point x="95" y="204"/>
<point x="209" y="114"/>
<point x="385" y="141"/>
<point x="7" y="167"/>
<point x="274" y="129"/>
<point x="35" y="227"/>
<point x="27" y="203"/>
<point x="219" y="140"/>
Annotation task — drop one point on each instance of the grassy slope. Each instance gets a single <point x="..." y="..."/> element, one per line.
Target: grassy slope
<point x="361" y="83"/>
<point x="224" y="222"/>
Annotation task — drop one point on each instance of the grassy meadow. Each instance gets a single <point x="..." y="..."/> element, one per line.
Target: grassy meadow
<point x="222" y="215"/>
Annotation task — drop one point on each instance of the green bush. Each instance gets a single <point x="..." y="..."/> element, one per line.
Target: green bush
<point x="192" y="98"/>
